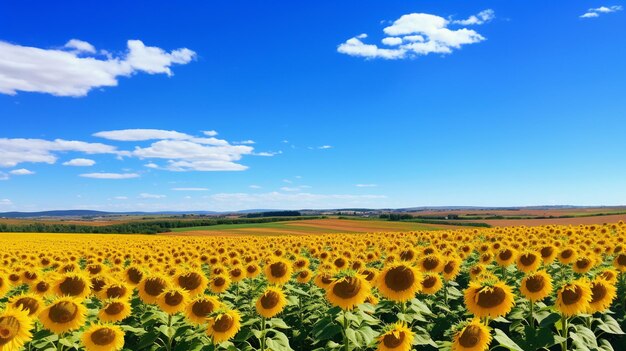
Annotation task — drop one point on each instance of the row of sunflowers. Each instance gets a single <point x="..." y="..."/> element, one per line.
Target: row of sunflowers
<point x="517" y="288"/>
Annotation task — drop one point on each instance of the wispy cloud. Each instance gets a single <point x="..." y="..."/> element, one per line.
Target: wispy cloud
<point x="596" y="12"/>
<point x="21" y="171"/>
<point x="110" y="175"/>
<point x="151" y="196"/>
<point x="120" y="197"/>
<point x="418" y="34"/>
<point x="80" y="162"/>
<point x="77" y="68"/>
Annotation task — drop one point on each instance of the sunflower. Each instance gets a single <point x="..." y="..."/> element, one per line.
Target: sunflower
<point x="399" y="282"/>
<point x="304" y="276"/>
<point x="41" y="287"/>
<point x="151" y="287"/>
<point x="474" y="336"/>
<point x="583" y="264"/>
<point x="602" y="295"/>
<point x="451" y="269"/>
<point x="506" y="257"/>
<point x="236" y="273"/>
<point x="536" y="286"/>
<point x="172" y="301"/>
<point x="200" y="308"/>
<point x="114" y="310"/>
<point x="573" y="298"/>
<point x="193" y="281"/>
<point x="252" y="270"/>
<point x="75" y="285"/>
<point x="324" y="279"/>
<point x="398" y="337"/>
<point x="103" y="337"/>
<point x="528" y="261"/>
<point x="32" y="303"/>
<point x="115" y="291"/>
<point x="62" y="315"/>
<point x="219" y="284"/>
<point x="15" y="326"/>
<point x="431" y="283"/>
<point x="278" y="271"/>
<point x="271" y="302"/>
<point x="610" y="275"/>
<point x="431" y="263"/>
<point x="5" y="286"/>
<point x="548" y="254"/>
<point x="348" y="291"/>
<point x="567" y="256"/>
<point x="223" y="326"/>
<point x="488" y="299"/>
<point x="133" y="275"/>
<point x="620" y="262"/>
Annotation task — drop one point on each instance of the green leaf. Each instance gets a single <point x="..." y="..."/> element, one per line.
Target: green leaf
<point x="609" y="325"/>
<point x="505" y="341"/>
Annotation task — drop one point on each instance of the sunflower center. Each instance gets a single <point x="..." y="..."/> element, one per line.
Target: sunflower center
<point x="154" y="286"/>
<point x="327" y="279"/>
<point x="95" y="269"/>
<point x="278" y="269"/>
<point x="219" y="281"/>
<point x="430" y="263"/>
<point x="583" y="263"/>
<point x="173" y="298"/>
<point x="598" y="292"/>
<point x="535" y="283"/>
<point x="30" y="275"/>
<point x="393" y="340"/>
<point x="489" y="297"/>
<point x="572" y="295"/>
<point x="347" y="287"/>
<point x="369" y="275"/>
<point x="608" y="275"/>
<point x="28" y="303"/>
<point x="567" y="253"/>
<point x="97" y="283"/>
<point x="407" y="255"/>
<point x="223" y="323"/>
<point x="449" y="267"/>
<point x="251" y="269"/>
<point x="42" y="286"/>
<point x="103" y="336"/>
<point x="429" y="282"/>
<point x="114" y="308"/>
<point x="340" y="262"/>
<point x="303" y="274"/>
<point x="506" y="254"/>
<point x="63" y="312"/>
<point x="202" y="308"/>
<point x="9" y="327"/>
<point x="72" y="286"/>
<point x="470" y="336"/>
<point x="621" y="260"/>
<point x="399" y="278"/>
<point x="236" y="272"/>
<point x="116" y="291"/>
<point x="14" y="277"/>
<point x="300" y="263"/>
<point x="134" y="275"/>
<point x="190" y="281"/>
<point x="527" y="259"/>
<point x="270" y="300"/>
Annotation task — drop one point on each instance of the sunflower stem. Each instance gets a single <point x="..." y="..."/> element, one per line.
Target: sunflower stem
<point x="445" y="292"/>
<point x="532" y="312"/>
<point x="345" y="332"/>
<point x="170" y="337"/>
<point x="504" y="274"/>
<point x="262" y="333"/>
<point x="565" y="332"/>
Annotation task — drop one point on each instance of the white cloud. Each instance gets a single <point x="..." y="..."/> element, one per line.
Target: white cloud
<point x="16" y="151"/>
<point x="210" y="133"/>
<point x="366" y="185"/>
<point x="325" y="147"/>
<point x="69" y="72"/>
<point x="121" y="197"/>
<point x="151" y="196"/>
<point x="595" y="12"/>
<point x="246" y="142"/>
<point x="5" y="202"/>
<point x="152" y="165"/>
<point x="481" y="18"/>
<point x="21" y="171"/>
<point x="80" y="162"/>
<point x="190" y="189"/>
<point x="421" y="33"/>
<point x="141" y="134"/>
<point x="268" y="153"/>
<point x="110" y="175"/>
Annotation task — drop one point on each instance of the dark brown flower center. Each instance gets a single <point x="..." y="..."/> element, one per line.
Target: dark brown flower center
<point x="583" y="263"/>
<point x="72" y="286"/>
<point x="621" y="259"/>
<point x="154" y="286"/>
<point x="430" y="263"/>
<point x="219" y="281"/>
<point x="303" y="274"/>
<point x="470" y="336"/>
<point x="407" y="255"/>
<point x="598" y="292"/>
<point x="251" y="269"/>
<point x="449" y="267"/>
<point x="347" y="287"/>
<point x="103" y="336"/>
<point x="505" y="254"/>
<point x="572" y="294"/>
<point x="190" y="281"/>
<point x="270" y="299"/>
<point x="114" y="308"/>
<point x="528" y="259"/>
<point x="97" y="283"/>
<point x="567" y="253"/>
<point x="9" y="327"/>
<point x="116" y="291"/>
<point x="399" y="278"/>
<point x="547" y="251"/>
<point x="42" y="286"/>
<point x="134" y="275"/>
<point x="429" y="281"/>
<point x="490" y="297"/>
<point x="391" y="341"/>
<point x="223" y="323"/>
<point x="202" y="308"/>
<point x="278" y="269"/>
<point x="535" y="283"/>
<point x="236" y="272"/>
<point x="29" y="304"/>
<point x="173" y="298"/>
<point x="63" y="312"/>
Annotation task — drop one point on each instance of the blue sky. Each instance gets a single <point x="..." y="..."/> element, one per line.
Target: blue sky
<point x="123" y="107"/>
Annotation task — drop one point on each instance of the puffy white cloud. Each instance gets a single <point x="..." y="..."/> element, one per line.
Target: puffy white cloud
<point x="151" y="196"/>
<point x="76" y="69"/>
<point x="21" y="171"/>
<point x="141" y="134"/>
<point x="190" y="189"/>
<point x="596" y="12"/>
<point x="246" y="142"/>
<point x="80" y="162"/>
<point x="417" y="34"/>
<point x="16" y="151"/>
<point x="209" y="133"/>
<point x="110" y="175"/>
<point x="481" y="18"/>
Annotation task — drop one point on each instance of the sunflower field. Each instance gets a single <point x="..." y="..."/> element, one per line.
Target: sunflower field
<point x="516" y="288"/>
